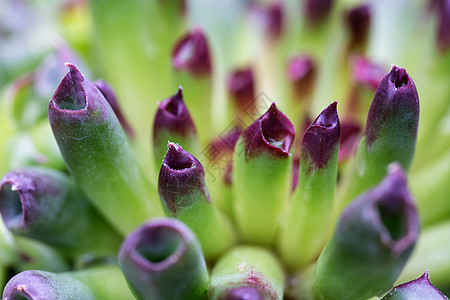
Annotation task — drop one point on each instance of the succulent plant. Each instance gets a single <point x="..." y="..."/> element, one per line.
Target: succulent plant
<point x="243" y="181"/>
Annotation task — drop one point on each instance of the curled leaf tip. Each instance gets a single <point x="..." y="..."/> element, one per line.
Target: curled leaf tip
<point x="70" y="94"/>
<point x="317" y="10"/>
<point x="158" y="245"/>
<point x="180" y="177"/>
<point x="322" y="137"/>
<point x="300" y="67"/>
<point x="173" y="116"/>
<point x="191" y="53"/>
<point x="271" y="17"/>
<point x="177" y="158"/>
<point x="174" y="105"/>
<point x="163" y="258"/>
<point x="443" y="34"/>
<point x="301" y="71"/>
<point x="420" y="288"/>
<point x="11" y="204"/>
<point x="394" y="110"/>
<point x="272" y="133"/>
<point x="399" y="77"/>
<point x="241" y="88"/>
<point x="358" y="22"/>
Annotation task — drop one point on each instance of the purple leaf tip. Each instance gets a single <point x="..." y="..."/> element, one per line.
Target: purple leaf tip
<point x="29" y="285"/>
<point x="366" y="72"/>
<point x="358" y="22"/>
<point x="178" y="159"/>
<point x="420" y="288"/>
<point x="241" y="88"/>
<point x="273" y="133"/>
<point x="300" y="67"/>
<point x="317" y="10"/>
<point x="274" y="17"/>
<point x="173" y="116"/>
<point x="395" y="102"/>
<point x="271" y="17"/>
<point x="322" y="137"/>
<point x="301" y="71"/>
<point x="191" y="53"/>
<point x="243" y="293"/>
<point x="399" y="77"/>
<point x="70" y="94"/>
<point x="181" y="176"/>
<point x="443" y="35"/>
<point x="77" y="98"/>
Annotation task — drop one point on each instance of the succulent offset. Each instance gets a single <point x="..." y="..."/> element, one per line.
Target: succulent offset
<point x="208" y="162"/>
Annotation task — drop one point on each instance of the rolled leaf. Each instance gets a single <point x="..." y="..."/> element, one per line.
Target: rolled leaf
<point x="262" y="176"/>
<point x="303" y="229"/>
<point x="184" y="195"/>
<point x="163" y="259"/>
<point x="371" y="244"/>
<point x="390" y="135"/>
<point x="104" y="282"/>
<point x="98" y="155"/>
<point x="45" y="205"/>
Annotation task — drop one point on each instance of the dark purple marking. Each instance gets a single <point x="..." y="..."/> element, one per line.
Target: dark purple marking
<point x="396" y="95"/>
<point x="181" y="176"/>
<point x="173" y="116"/>
<point x="322" y="138"/>
<point x="191" y="54"/>
<point x="272" y="133"/>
